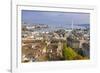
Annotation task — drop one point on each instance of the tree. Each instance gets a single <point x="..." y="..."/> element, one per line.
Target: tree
<point x="70" y="54"/>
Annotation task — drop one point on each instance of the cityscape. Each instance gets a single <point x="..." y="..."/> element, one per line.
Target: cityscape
<point x="54" y="36"/>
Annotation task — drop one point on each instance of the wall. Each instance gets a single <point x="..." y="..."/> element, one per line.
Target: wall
<point x="5" y="35"/>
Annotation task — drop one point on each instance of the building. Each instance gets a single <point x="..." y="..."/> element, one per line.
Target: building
<point x="73" y="43"/>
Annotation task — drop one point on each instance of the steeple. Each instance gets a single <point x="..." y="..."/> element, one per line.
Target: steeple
<point x="72" y="24"/>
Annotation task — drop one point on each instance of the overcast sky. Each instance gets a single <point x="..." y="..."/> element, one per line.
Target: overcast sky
<point x="54" y="18"/>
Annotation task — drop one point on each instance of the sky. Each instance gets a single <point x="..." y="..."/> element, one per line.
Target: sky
<point x="54" y="18"/>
